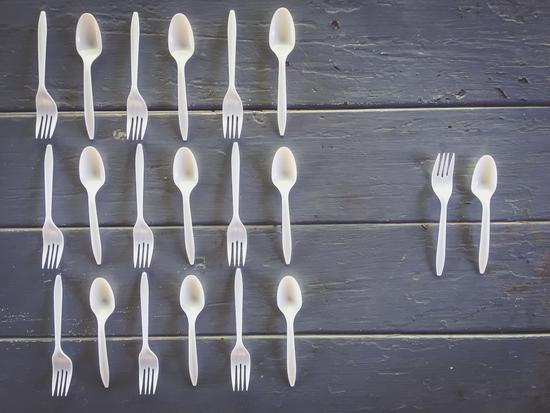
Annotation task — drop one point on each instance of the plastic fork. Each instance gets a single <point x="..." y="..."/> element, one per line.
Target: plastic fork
<point x="148" y="361"/>
<point x="46" y="109"/>
<point x="136" y="109"/>
<point x="62" y="366"/>
<point x="232" y="114"/>
<point x="240" y="357"/>
<point x="236" y="232"/>
<point x="144" y="241"/>
<point x="52" y="237"/>
<point x="442" y="184"/>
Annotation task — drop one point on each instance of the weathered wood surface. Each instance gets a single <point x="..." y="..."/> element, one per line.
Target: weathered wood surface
<point x="348" y="53"/>
<point x="505" y="375"/>
<point x="372" y="166"/>
<point x="367" y="278"/>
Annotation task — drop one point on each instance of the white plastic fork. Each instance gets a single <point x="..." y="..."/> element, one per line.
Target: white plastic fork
<point x="232" y="113"/>
<point x="442" y="184"/>
<point x="62" y="366"/>
<point x="144" y="241"/>
<point x="136" y="109"/>
<point x="236" y="232"/>
<point x="240" y="357"/>
<point x="46" y="109"/>
<point x="148" y="361"/>
<point x="52" y="237"/>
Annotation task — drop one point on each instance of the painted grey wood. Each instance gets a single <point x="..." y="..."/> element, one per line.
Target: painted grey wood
<point x="372" y="166"/>
<point x="364" y="278"/>
<point x="351" y="53"/>
<point x="485" y="374"/>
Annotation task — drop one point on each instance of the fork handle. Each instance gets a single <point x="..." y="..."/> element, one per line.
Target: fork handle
<point x="192" y="350"/>
<point x="183" y="116"/>
<point x="57" y="309"/>
<point x="231" y="46"/>
<point x="48" y="180"/>
<point x="42" y="39"/>
<point x="287" y="236"/>
<point x="235" y="176"/>
<point x="134" y="47"/>
<point x="102" y="354"/>
<point x="94" y="229"/>
<point x="89" y="101"/>
<point x="144" y="299"/>
<point x="441" y="240"/>
<point x="188" y="230"/>
<point x="485" y="237"/>
<point x="281" y="98"/>
<point x="290" y="353"/>
<point x="139" y="180"/>
<point x="239" y="304"/>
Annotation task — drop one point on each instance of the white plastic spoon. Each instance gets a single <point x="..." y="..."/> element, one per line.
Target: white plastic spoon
<point x="89" y="47"/>
<point x="186" y="176"/>
<point x="192" y="303"/>
<point x="283" y="175"/>
<point x="102" y="301"/>
<point x="92" y="176"/>
<point x="484" y="184"/>
<point x="289" y="301"/>
<point x="182" y="46"/>
<point x="282" y="38"/>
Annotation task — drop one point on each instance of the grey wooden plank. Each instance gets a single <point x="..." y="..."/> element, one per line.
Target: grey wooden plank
<point x="354" y="53"/>
<point x="367" y="278"/>
<point x="352" y="167"/>
<point x="334" y="375"/>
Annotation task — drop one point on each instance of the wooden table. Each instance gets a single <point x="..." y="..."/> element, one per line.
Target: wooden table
<point x="375" y="91"/>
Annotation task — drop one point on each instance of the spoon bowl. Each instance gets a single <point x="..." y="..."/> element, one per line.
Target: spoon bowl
<point x="102" y="299"/>
<point x="289" y="297"/>
<point x="282" y="35"/>
<point x="88" y="38"/>
<point x="283" y="170"/>
<point x="484" y="178"/>
<point x="185" y="170"/>
<point x="91" y="169"/>
<point x="181" y="42"/>
<point x="191" y="296"/>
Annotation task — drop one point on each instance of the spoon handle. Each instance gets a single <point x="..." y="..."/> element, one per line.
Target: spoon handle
<point x="485" y="237"/>
<point x="94" y="229"/>
<point x="281" y="98"/>
<point x="89" y="101"/>
<point x="57" y="309"/>
<point x="188" y="230"/>
<point x="192" y="350"/>
<point x="48" y="180"/>
<point x="102" y="354"/>
<point x="134" y="47"/>
<point x="42" y="37"/>
<point x="144" y="298"/>
<point x="235" y="176"/>
<point x="441" y="240"/>
<point x="182" y="102"/>
<point x="139" y="180"/>
<point x="239" y="304"/>
<point x="231" y="46"/>
<point x="287" y="237"/>
<point x="290" y="353"/>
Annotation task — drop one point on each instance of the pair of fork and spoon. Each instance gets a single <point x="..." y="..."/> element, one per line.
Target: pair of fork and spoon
<point x="484" y="183"/>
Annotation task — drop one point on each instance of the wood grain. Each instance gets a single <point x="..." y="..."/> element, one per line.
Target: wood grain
<point x="353" y="166"/>
<point x="347" y="54"/>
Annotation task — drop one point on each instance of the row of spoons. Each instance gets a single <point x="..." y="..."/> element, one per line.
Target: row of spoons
<point x="192" y="302"/>
<point x="181" y="45"/>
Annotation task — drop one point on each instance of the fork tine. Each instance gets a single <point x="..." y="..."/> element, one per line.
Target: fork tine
<point x="140" y="134"/>
<point x="436" y="165"/>
<point x="149" y="379"/>
<point x="63" y="380"/>
<point x="136" y="250"/>
<point x="228" y="253"/>
<point x="155" y="379"/>
<point x="224" y="126"/>
<point x="244" y="252"/>
<point x="44" y="255"/>
<point x="142" y="262"/>
<point x="52" y="256"/>
<point x="150" y="253"/>
<point x="54" y="381"/>
<point x="451" y="165"/>
<point x="233" y="377"/>
<point x="144" y="127"/>
<point x="445" y="165"/>
<point x="141" y="375"/>
<point x="239" y="253"/>
<point x="37" y="129"/>
<point x="59" y="255"/>
<point x="236" y="126"/>
<point x="48" y="126"/>
<point x="247" y="367"/>
<point x="128" y="126"/>
<point x="53" y="124"/>
<point x="240" y="126"/>
<point x="68" y="382"/>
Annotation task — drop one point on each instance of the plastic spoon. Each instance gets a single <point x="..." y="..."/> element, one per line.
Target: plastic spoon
<point x="283" y="175"/>
<point x="182" y="46"/>
<point x="282" y="38"/>
<point x="484" y="184"/>
<point x="192" y="303"/>
<point x="92" y="176"/>
<point x="102" y="301"/>
<point x="186" y="176"/>
<point x="89" y="47"/>
<point x="289" y="301"/>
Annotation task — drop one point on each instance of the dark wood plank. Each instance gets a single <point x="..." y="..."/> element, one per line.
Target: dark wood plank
<point x="352" y="167"/>
<point x="339" y="375"/>
<point x="347" y="54"/>
<point x="367" y="278"/>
